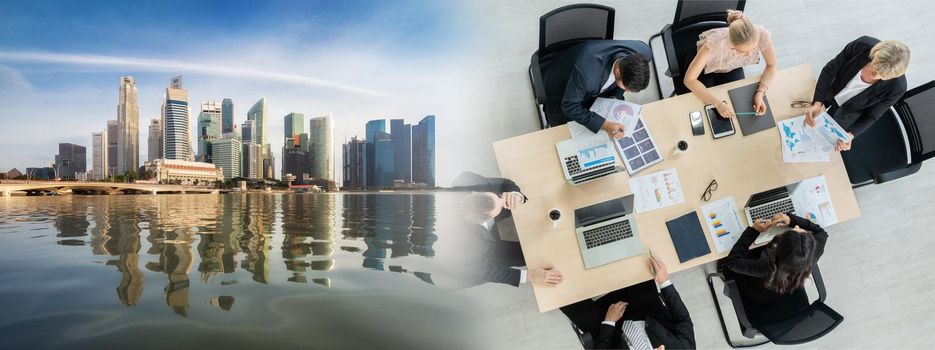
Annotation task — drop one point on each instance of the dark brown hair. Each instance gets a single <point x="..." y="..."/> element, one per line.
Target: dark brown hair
<point x="791" y="257"/>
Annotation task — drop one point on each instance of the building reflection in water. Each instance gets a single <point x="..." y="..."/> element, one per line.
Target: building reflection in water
<point x="217" y="234"/>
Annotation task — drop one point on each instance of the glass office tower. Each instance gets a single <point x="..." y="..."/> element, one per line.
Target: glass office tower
<point x="321" y="147"/>
<point x="209" y="128"/>
<point x="402" y="148"/>
<point x="175" y="122"/>
<point x="128" y="127"/>
<point x="227" y="116"/>
<point x="423" y="151"/>
<point x="384" y="160"/>
<point x="225" y="153"/>
<point x="373" y="127"/>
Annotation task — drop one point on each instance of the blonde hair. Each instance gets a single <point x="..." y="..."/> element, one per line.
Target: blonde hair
<point x="890" y="58"/>
<point x="477" y="207"/>
<point x="741" y="30"/>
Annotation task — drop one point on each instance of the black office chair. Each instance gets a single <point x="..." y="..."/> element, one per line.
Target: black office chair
<point x="897" y="144"/>
<point x="789" y="321"/>
<point x="681" y="36"/>
<point x="560" y="29"/>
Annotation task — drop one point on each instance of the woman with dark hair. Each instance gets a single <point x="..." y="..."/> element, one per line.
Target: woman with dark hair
<point x="766" y="274"/>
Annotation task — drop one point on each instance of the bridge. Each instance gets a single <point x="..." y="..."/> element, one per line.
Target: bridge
<point x="8" y="188"/>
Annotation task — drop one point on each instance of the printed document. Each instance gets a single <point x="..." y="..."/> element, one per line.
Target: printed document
<point x="657" y="190"/>
<point x="723" y="221"/>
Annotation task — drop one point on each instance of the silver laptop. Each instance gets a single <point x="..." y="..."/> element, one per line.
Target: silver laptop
<point x="568" y="157"/>
<point x="607" y="232"/>
<point x="765" y="204"/>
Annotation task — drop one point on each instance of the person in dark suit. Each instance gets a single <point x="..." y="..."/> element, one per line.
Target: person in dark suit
<point x="767" y="274"/>
<point x="637" y="317"/>
<point x="496" y="260"/>
<point x="860" y="84"/>
<point x="592" y="69"/>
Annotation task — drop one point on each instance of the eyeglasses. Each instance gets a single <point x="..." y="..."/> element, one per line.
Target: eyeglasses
<point x="706" y="196"/>
<point x="800" y="104"/>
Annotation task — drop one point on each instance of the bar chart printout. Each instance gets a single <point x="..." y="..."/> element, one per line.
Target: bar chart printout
<point x="723" y="221"/>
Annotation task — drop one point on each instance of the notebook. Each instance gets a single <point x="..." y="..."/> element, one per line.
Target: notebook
<point x="742" y="100"/>
<point x="688" y="237"/>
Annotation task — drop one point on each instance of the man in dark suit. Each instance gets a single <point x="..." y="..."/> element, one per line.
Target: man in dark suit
<point x="637" y="317"/>
<point x="860" y="84"/>
<point x="598" y="68"/>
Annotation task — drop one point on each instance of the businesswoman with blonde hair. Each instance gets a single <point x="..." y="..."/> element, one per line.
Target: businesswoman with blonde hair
<point x="860" y="84"/>
<point x="722" y="54"/>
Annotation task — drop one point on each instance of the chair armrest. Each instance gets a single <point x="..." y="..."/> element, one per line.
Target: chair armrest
<point x="734" y="295"/>
<point x="819" y="283"/>
<point x="895" y="174"/>
<point x="667" y="43"/>
<point x="535" y="75"/>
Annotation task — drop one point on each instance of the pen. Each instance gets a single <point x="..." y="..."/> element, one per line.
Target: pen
<point x="745" y="113"/>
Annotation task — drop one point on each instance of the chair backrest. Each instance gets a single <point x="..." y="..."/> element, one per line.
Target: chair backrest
<point x="689" y="12"/>
<point x="805" y="326"/>
<point x="574" y="23"/>
<point x="917" y="110"/>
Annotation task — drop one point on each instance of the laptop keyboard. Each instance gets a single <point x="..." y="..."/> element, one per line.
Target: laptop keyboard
<point x="766" y="211"/>
<point x="574" y="167"/>
<point x="608" y="234"/>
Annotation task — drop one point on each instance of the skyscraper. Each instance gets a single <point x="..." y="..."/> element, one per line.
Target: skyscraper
<point x="295" y="155"/>
<point x="175" y="121"/>
<point x="248" y="132"/>
<point x="294" y="124"/>
<point x="402" y="149"/>
<point x="252" y="161"/>
<point x="111" y="148"/>
<point x="423" y="151"/>
<point x="355" y="164"/>
<point x="156" y="146"/>
<point x="71" y="159"/>
<point x="321" y="147"/>
<point x="384" y="160"/>
<point x="209" y="128"/>
<point x="225" y="153"/>
<point x="373" y="127"/>
<point x="128" y="127"/>
<point x="99" y="155"/>
<point x="257" y="113"/>
<point x="227" y="116"/>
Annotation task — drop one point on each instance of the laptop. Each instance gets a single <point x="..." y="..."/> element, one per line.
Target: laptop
<point x="765" y="204"/>
<point x="574" y="174"/>
<point x="607" y="232"/>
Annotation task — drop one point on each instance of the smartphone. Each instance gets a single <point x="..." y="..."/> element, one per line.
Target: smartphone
<point x="697" y="123"/>
<point x="720" y="126"/>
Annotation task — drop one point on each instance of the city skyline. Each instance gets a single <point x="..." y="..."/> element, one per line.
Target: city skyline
<point x="310" y="65"/>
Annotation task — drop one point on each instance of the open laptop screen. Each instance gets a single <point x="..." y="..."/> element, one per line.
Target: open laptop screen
<point x="603" y="211"/>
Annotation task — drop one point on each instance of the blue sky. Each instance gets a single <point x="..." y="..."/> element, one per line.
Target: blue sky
<point x="60" y="62"/>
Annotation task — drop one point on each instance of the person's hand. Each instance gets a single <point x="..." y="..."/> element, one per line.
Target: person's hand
<point x="844" y="146"/>
<point x="511" y="200"/>
<point x="759" y="106"/>
<point x="614" y="129"/>
<point x="781" y="219"/>
<point x="546" y="274"/>
<point x="725" y="109"/>
<point x="761" y="225"/>
<point x="615" y="311"/>
<point x="811" y="113"/>
<point x="662" y="274"/>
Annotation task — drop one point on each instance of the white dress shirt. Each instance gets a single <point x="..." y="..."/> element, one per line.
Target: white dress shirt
<point x="853" y="87"/>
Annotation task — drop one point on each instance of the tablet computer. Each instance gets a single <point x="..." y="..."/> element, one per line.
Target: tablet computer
<point x="720" y="127"/>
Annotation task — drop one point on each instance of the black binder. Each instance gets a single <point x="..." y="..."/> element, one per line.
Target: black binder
<point x="688" y="237"/>
<point x="742" y="100"/>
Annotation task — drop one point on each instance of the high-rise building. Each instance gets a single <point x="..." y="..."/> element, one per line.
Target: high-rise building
<point x="257" y="113"/>
<point x="268" y="163"/>
<point x="71" y="159"/>
<point x="156" y="146"/>
<point x="175" y="121"/>
<point x="355" y="164"/>
<point x="112" y="147"/>
<point x="227" y="116"/>
<point x="384" y="160"/>
<point x="321" y="147"/>
<point x="128" y="127"/>
<point x="225" y="153"/>
<point x="295" y="154"/>
<point x="99" y="155"/>
<point x="294" y="124"/>
<point x="423" y="151"/>
<point x="373" y="127"/>
<point x="402" y="149"/>
<point x="295" y="161"/>
<point x="209" y="128"/>
<point x="248" y="132"/>
<point x="252" y="161"/>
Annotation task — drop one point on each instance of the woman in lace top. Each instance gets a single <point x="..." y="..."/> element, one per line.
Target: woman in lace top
<point x="722" y="54"/>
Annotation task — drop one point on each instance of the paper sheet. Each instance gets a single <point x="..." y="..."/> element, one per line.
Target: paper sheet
<point x="657" y="190"/>
<point x="828" y="129"/>
<point x="619" y="111"/>
<point x="723" y="220"/>
<point x="799" y="144"/>
<point x="813" y="201"/>
<point x="593" y="148"/>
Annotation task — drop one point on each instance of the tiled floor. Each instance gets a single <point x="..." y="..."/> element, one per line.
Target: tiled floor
<point x="878" y="268"/>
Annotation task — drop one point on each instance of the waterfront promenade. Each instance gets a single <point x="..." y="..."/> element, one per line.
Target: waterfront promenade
<point x="11" y="187"/>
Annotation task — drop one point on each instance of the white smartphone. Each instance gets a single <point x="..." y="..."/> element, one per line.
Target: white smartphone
<point x="720" y="127"/>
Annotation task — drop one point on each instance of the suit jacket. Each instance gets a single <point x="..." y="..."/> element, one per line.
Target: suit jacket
<point x="864" y="109"/>
<point x="753" y="265"/>
<point x="575" y="77"/>
<point x="670" y="325"/>
<point x="485" y="268"/>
